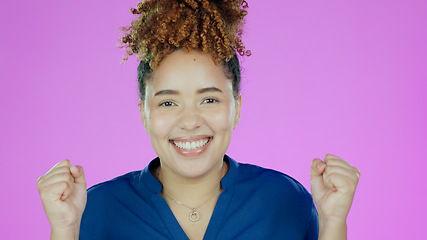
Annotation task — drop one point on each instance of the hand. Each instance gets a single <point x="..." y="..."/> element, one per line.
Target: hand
<point x="63" y="193"/>
<point x="333" y="183"/>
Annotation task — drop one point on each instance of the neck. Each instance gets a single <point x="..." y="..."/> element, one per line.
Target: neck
<point x="191" y="191"/>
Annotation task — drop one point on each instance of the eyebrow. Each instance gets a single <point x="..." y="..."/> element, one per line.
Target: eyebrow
<point x="209" y="89"/>
<point x="166" y="92"/>
<point x="200" y="91"/>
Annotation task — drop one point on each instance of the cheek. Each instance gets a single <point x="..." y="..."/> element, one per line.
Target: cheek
<point x="161" y="124"/>
<point x="222" y="119"/>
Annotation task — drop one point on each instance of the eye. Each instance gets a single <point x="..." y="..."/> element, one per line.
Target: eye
<point x="167" y="104"/>
<point x="210" y="100"/>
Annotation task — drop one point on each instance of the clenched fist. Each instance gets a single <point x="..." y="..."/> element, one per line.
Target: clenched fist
<point x="63" y="193"/>
<point x="333" y="184"/>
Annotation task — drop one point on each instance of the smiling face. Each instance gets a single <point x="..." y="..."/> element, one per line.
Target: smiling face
<point x="190" y="113"/>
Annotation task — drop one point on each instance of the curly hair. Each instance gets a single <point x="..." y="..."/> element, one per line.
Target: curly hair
<point x="213" y="26"/>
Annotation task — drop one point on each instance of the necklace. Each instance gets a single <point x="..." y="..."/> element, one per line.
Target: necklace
<point x="194" y="215"/>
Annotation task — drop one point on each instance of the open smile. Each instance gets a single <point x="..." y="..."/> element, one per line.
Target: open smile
<point x="192" y="146"/>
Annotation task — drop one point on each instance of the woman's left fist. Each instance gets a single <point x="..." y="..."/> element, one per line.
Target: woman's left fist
<point x="333" y="184"/>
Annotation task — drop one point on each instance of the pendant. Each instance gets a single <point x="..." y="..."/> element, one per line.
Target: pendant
<point x="194" y="215"/>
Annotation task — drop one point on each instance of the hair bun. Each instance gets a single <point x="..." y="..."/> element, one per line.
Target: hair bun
<point x="215" y="27"/>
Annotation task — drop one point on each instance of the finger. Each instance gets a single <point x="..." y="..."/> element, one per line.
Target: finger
<point x="59" y="186"/>
<point x="53" y="172"/>
<point x="317" y="167"/>
<point x="341" y="170"/>
<point x="332" y="160"/>
<point x="342" y="164"/>
<point x="63" y="164"/>
<point x="357" y="172"/>
<point x="341" y="183"/>
<point x="60" y="190"/>
<point x="338" y="162"/>
<point x="316" y="181"/>
<point x="78" y="174"/>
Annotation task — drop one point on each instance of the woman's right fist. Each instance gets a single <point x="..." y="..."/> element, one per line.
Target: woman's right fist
<point x="63" y="193"/>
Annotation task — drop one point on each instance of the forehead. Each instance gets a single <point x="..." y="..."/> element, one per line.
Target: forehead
<point x="180" y="70"/>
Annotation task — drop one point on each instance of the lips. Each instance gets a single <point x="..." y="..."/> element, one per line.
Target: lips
<point x="191" y="146"/>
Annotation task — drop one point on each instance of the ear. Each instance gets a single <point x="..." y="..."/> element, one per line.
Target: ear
<point x="143" y="115"/>
<point x="238" y="108"/>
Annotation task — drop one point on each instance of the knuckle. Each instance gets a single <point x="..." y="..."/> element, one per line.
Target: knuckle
<point x="64" y="174"/>
<point x="64" y="185"/>
<point x="331" y="162"/>
<point x="65" y="161"/>
<point x="331" y="157"/>
<point x="39" y="188"/>
<point x="40" y="179"/>
<point x="356" y="170"/>
<point x="66" y="177"/>
<point x="62" y="169"/>
<point x="329" y="169"/>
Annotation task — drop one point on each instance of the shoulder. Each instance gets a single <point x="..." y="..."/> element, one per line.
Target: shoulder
<point x="109" y="202"/>
<point x="115" y="182"/>
<point x="115" y="187"/>
<point x="282" y="206"/>
<point x="105" y="198"/>
<point x="272" y="182"/>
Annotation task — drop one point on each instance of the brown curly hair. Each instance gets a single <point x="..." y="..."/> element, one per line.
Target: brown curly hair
<point x="214" y="26"/>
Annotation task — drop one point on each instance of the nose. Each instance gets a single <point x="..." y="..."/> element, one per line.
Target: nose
<point x="190" y="118"/>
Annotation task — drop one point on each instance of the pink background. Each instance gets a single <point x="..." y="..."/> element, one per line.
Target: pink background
<point x="340" y="77"/>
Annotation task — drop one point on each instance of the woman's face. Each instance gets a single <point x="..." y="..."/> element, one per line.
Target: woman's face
<point x="190" y="113"/>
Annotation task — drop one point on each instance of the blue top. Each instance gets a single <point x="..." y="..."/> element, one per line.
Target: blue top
<point x="256" y="203"/>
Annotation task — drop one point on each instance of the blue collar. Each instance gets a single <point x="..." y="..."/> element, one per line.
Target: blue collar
<point x="154" y="186"/>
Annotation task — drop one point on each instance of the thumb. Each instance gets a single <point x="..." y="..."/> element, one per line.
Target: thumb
<point x="318" y="188"/>
<point x="317" y="168"/>
<point x="78" y="175"/>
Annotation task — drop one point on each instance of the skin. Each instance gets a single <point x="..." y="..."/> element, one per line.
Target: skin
<point x="182" y="111"/>
<point x="197" y="101"/>
<point x="63" y="193"/>
<point x="333" y="184"/>
<point x="190" y="98"/>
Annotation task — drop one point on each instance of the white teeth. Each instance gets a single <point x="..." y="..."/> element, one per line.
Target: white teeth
<point x="191" y="145"/>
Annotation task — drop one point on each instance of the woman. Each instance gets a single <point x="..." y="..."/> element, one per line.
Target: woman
<point x="190" y="103"/>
